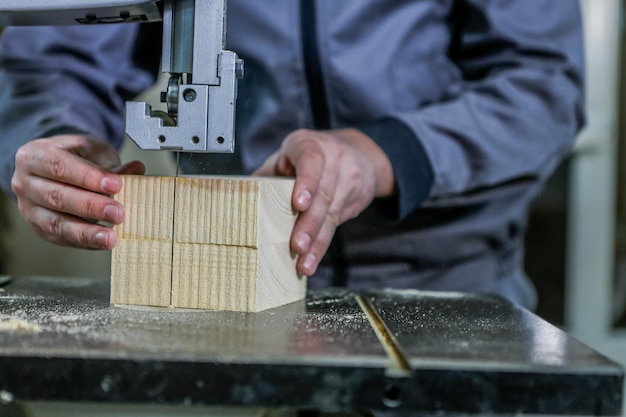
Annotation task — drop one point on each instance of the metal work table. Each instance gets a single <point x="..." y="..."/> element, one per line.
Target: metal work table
<point x="445" y="352"/>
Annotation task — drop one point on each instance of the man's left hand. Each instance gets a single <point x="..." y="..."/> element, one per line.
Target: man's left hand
<point x="338" y="174"/>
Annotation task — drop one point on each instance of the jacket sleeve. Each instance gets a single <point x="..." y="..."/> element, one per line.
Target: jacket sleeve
<point x="513" y="119"/>
<point x="64" y="80"/>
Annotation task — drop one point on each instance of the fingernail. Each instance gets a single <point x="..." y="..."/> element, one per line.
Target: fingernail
<point x="304" y="198"/>
<point x="111" y="185"/>
<point x="303" y="240"/>
<point x="111" y="214"/>
<point x="102" y="238"/>
<point x="309" y="262"/>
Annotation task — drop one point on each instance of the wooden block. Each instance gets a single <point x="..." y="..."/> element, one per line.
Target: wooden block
<point x="229" y="247"/>
<point x="141" y="262"/>
<point x="235" y="231"/>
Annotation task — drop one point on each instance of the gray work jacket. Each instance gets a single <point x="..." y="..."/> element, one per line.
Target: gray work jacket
<point x="474" y="101"/>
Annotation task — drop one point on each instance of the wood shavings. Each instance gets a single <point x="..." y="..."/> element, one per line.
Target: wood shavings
<point x="17" y="324"/>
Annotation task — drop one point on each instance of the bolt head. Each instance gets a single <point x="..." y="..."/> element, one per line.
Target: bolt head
<point x="190" y="95"/>
<point x="239" y="69"/>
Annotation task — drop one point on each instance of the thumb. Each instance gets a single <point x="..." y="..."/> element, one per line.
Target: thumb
<point x="103" y="154"/>
<point x="131" y="168"/>
<point x="269" y="166"/>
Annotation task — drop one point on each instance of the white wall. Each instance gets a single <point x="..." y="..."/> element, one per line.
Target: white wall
<point x="592" y="190"/>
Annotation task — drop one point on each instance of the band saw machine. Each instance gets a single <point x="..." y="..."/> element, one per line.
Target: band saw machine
<point x="395" y="351"/>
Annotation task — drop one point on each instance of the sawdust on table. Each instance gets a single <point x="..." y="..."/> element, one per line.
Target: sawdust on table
<point x="17" y="324"/>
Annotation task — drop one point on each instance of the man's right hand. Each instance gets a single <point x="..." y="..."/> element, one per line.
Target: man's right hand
<point x="63" y="186"/>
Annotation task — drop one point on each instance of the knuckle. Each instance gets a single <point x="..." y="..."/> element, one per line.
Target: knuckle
<point x="333" y="218"/>
<point x="17" y="186"/>
<point x="314" y="154"/>
<point x="21" y="156"/>
<point x="57" y="231"/>
<point x="89" y="209"/>
<point x="29" y="151"/>
<point x="341" y="144"/>
<point x="84" y="238"/>
<point x="21" y="207"/>
<point x="326" y="195"/>
<point x="26" y="210"/>
<point x="54" y="199"/>
<point x="309" y="149"/>
<point x="55" y="227"/>
<point x="350" y="213"/>
<point x="306" y="139"/>
<point x="302" y="133"/>
<point x="57" y="166"/>
<point x="355" y="175"/>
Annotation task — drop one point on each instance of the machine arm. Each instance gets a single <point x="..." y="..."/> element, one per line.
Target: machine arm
<point x="71" y="12"/>
<point x="203" y="86"/>
<point x="202" y="90"/>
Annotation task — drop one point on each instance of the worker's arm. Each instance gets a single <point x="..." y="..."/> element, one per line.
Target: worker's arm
<point x="68" y="86"/>
<point x="507" y="126"/>
<point x="517" y="113"/>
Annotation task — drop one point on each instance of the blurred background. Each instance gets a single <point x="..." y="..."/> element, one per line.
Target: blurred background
<point x="576" y="243"/>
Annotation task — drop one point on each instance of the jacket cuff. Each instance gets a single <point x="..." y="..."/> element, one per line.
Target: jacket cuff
<point x="413" y="173"/>
<point x="63" y="130"/>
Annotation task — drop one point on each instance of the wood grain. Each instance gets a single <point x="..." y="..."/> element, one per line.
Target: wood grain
<point x="228" y="239"/>
<point x="141" y="262"/>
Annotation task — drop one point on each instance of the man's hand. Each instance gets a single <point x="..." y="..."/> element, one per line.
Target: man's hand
<point x="338" y="174"/>
<point x="62" y="185"/>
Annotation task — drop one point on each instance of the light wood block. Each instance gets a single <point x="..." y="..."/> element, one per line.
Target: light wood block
<point x="141" y="263"/>
<point x="228" y="250"/>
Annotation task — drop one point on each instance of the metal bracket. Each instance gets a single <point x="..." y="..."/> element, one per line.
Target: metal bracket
<point x="204" y="113"/>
